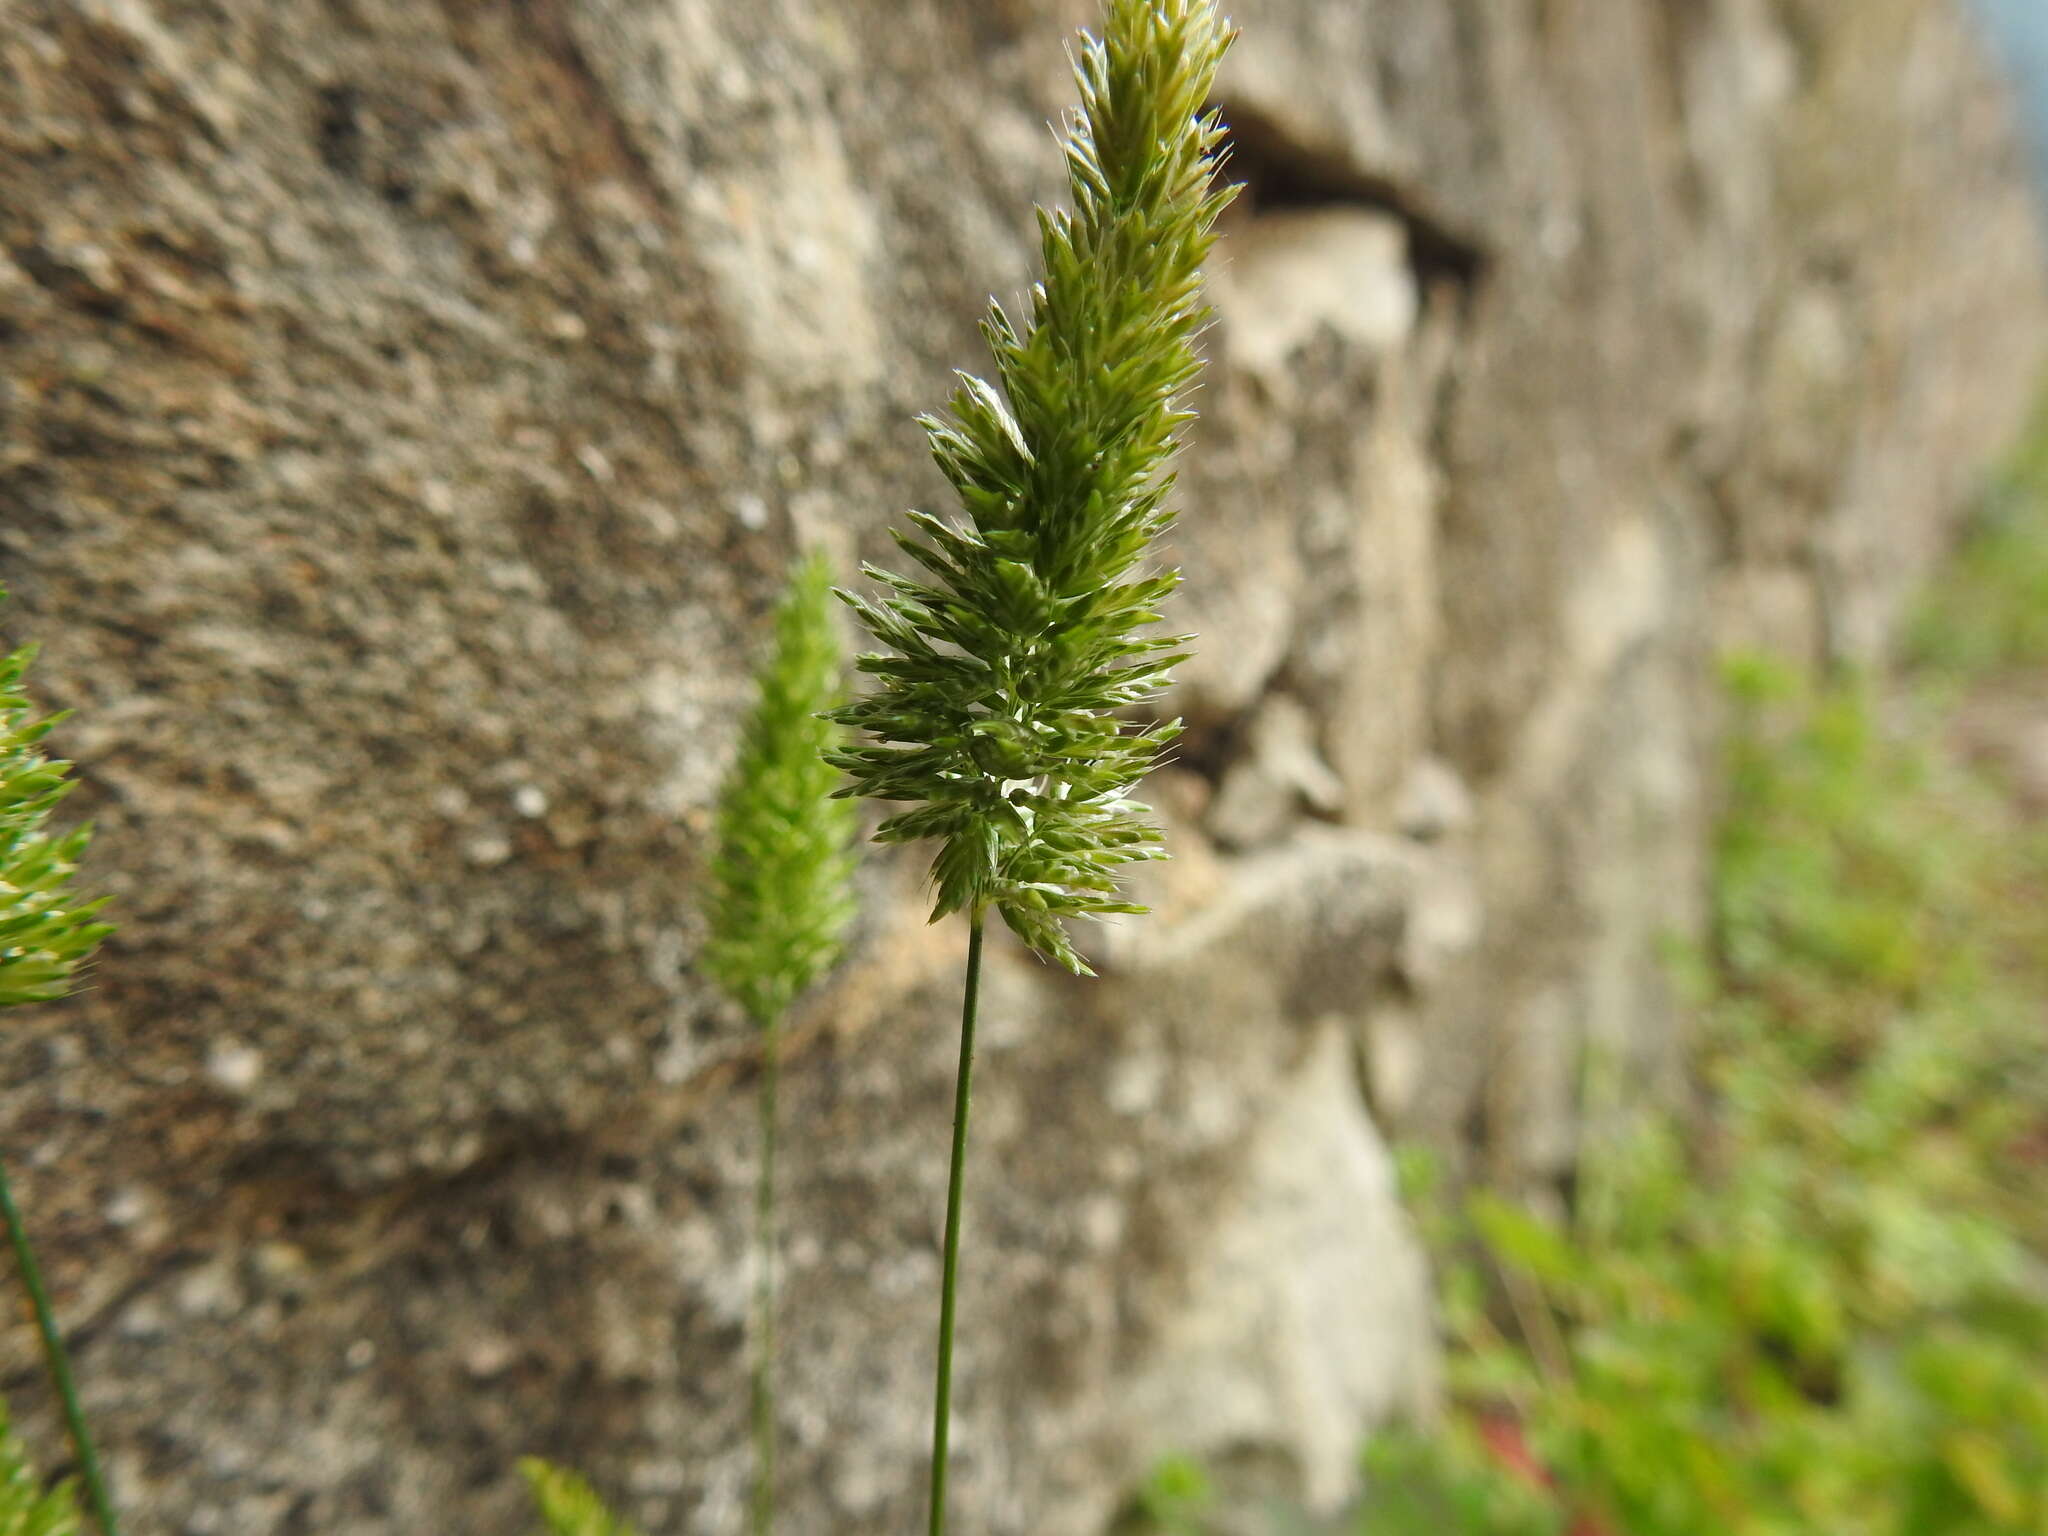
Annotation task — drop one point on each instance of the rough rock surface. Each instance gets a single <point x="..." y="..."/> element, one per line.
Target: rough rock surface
<point x="406" y="410"/>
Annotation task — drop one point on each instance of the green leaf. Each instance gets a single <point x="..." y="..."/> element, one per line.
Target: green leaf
<point x="568" y="1505"/>
<point x="1526" y="1241"/>
<point x="1980" y="1464"/>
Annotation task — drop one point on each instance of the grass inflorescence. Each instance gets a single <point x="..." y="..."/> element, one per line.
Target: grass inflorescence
<point x="1013" y="653"/>
<point x="781" y="897"/>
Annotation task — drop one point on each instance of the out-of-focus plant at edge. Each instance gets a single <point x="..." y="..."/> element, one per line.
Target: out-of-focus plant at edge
<point x="1815" y="1298"/>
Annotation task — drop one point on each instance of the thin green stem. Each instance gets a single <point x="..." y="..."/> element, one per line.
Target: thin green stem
<point x="59" y="1361"/>
<point x="942" y="1405"/>
<point x="764" y="1289"/>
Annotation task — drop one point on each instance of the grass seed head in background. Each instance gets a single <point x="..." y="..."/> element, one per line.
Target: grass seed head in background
<point x="780" y="880"/>
<point x="1024" y="634"/>
<point x="45" y="932"/>
<point x="568" y="1505"/>
<point x="780" y="903"/>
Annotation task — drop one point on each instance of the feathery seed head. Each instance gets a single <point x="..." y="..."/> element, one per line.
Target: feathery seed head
<point x="1024" y="633"/>
<point x="45" y="933"/>
<point x="780" y="898"/>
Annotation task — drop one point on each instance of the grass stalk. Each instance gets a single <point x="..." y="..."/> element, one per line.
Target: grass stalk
<point x="942" y="1394"/>
<point x="59" y="1361"/>
<point x="779" y="904"/>
<point x="1013" y="661"/>
<point x="764" y="1288"/>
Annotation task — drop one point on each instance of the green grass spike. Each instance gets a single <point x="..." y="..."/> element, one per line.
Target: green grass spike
<point x="780" y="901"/>
<point x="1028" y="625"/>
<point x="780" y="880"/>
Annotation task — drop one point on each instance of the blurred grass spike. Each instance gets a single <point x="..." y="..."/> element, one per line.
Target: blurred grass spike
<point x="46" y="935"/>
<point x="781" y="897"/>
<point x="781" y="878"/>
<point x="568" y="1505"/>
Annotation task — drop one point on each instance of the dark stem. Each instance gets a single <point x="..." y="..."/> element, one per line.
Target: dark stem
<point x="764" y="1289"/>
<point x="942" y="1407"/>
<point x="59" y="1361"/>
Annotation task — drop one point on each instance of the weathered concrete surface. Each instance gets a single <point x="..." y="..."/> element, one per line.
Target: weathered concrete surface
<point x="405" y="411"/>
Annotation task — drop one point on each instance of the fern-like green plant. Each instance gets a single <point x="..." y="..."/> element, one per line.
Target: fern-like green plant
<point x="1011" y="655"/>
<point x="46" y="934"/>
<point x="26" y="1507"/>
<point x="780" y="902"/>
<point x="568" y="1505"/>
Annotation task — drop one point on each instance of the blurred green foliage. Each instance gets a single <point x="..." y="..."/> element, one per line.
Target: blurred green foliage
<point x="1173" y="1500"/>
<point x="1989" y="610"/>
<point x="1815" y="1299"/>
<point x="1451" y="1483"/>
<point x="26" y="1507"/>
<point x="568" y="1505"/>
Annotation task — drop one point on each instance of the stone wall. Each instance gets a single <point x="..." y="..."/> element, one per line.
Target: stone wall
<point x="406" y="411"/>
